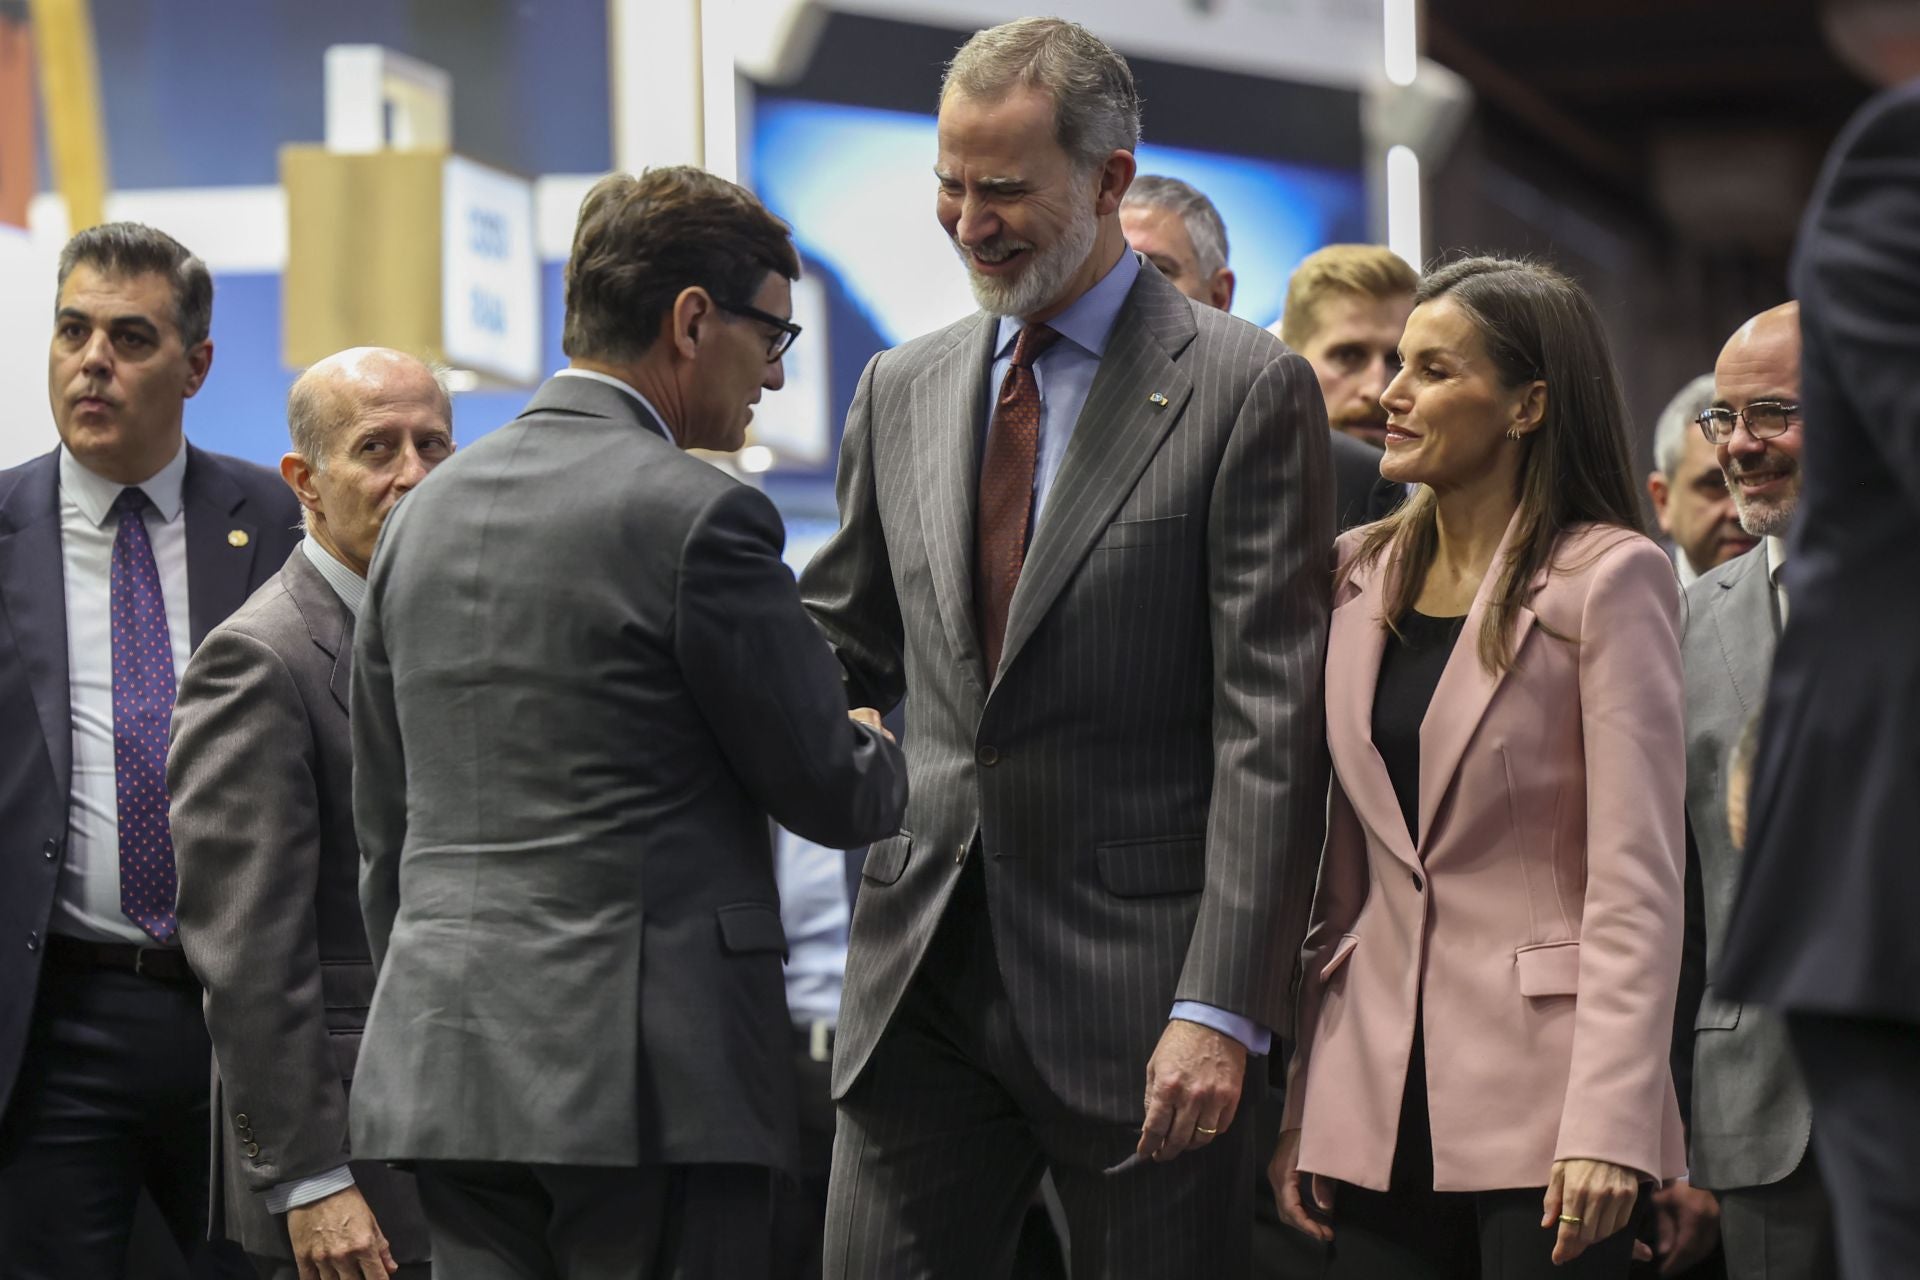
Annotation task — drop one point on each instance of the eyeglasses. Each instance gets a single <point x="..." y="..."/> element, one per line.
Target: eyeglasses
<point x="1765" y="419"/>
<point x="779" y="343"/>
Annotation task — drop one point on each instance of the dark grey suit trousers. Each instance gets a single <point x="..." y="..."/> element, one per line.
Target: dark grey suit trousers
<point x="943" y="1140"/>
<point x="491" y="1221"/>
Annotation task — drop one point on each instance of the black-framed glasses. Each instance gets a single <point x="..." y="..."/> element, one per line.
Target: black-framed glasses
<point x="1765" y="419"/>
<point x="780" y="342"/>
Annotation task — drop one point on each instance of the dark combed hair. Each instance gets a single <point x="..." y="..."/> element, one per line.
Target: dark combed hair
<point x="1577" y="468"/>
<point x="122" y="249"/>
<point x="642" y="240"/>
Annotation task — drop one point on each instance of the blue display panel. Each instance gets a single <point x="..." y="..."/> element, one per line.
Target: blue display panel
<point x="857" y="185"/>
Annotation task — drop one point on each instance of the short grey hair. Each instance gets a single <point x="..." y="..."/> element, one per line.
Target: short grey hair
<point x="1096" y="108"/>
<point x="1203" y="222"/>
<point x="1678" y="418"/>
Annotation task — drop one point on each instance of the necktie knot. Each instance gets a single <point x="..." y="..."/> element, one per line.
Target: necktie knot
<point x="133" y="501"/>
<point x="1032" y="344"/>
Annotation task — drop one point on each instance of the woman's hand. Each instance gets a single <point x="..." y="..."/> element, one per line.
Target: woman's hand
<point x="1283" y="1173"/>
<point x="1590" y="1199"/>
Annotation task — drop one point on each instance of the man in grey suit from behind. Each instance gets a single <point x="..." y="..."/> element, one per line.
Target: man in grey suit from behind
<point x="1751" y="1120"/>
<point x="1114" y="726"/>
<point x="261" y="772"/>
<point x="583" y="682"/>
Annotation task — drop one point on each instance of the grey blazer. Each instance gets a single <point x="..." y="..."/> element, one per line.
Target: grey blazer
<point x="261" y="773"/>
<point x="1751" y="1118"/>
<point x="1146" y="772"/>
<point x="583" y="682"/>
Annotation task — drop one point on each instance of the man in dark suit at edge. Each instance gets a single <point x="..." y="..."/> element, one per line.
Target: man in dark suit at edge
<point x="119" y="551"/>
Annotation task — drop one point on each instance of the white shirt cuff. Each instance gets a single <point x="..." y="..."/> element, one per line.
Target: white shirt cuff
<point x="304" y="1191"/>
<point x="1255" y="1038"/>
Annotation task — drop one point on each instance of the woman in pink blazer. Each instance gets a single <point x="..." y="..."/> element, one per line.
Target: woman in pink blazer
<point x="1481" y="1084"/>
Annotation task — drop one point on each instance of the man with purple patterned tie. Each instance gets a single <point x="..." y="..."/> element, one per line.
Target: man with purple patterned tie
<point x="119" y="550"/>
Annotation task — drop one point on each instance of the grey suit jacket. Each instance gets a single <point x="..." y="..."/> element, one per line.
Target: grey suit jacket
<point x="1751" y="1118"/>
<point x="583" y="682"/>
<point x="1146" y="772"/>
<point x="261" y="773"/>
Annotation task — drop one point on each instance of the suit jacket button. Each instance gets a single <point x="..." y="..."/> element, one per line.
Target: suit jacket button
<point x="33" y="941"/>
<point x="253" y="1150"/>
<point x="987" y="756"/>
<point x="51" y="848"/>
<point x="241" y="1122"/>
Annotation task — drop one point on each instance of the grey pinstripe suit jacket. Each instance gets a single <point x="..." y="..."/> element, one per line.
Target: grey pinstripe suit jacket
<point x="1145" y="773"/>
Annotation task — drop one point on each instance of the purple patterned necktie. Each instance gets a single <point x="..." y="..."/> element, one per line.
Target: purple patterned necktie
<point x="142" y="709"/>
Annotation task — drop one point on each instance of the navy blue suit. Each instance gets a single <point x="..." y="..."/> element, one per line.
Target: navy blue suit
<point x="1824" y="925"/>
<point x="220" y="495"/>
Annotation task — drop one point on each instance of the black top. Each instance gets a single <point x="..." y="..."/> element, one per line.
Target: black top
<point x="1409" y="672"/>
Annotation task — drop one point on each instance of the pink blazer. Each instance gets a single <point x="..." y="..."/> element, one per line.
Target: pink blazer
<point x="1540" y="909"/>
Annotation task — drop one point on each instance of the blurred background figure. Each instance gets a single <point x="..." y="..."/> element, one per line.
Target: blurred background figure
<point x="1346" y="307"/>
<point x="1691" y="502"/>
<point x="1750" y="1118"/>
<point x="1178" y="229"/>
<point x="261" y="772"/>
<point x="1823" y="926"/>
<point x="119" y="551"/>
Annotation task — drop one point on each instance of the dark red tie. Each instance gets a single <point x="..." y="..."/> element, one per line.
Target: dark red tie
<point x="1006" y="490"/>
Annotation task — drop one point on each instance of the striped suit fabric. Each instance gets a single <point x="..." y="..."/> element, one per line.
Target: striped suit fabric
<point x="1139" y="787"/>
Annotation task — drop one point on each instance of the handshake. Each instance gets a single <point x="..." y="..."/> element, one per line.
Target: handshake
<point x="871" y="718"/>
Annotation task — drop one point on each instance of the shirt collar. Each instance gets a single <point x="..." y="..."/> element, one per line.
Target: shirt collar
<point x="1776" y="558"/>
<point x="348" y="585"/>
<point x="1089" y="321"/>
<point x="596" y="376"/>
<point x="95" y="495"/>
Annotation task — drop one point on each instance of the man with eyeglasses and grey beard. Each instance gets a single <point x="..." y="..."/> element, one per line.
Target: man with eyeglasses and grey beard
<point x="1751" y="1118"/>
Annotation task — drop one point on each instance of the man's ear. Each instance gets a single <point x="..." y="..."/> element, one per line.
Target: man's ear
<point x="1115" y="176"/>
<point x="298" y="473"/>
<point x="693" y="310"/>
<point x="199" y="362"/>
<point x="1222" y="288"/>
<point x="1658" y="490"/>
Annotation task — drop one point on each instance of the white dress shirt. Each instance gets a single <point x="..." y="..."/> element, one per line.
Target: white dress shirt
<point x="86" y="900"/>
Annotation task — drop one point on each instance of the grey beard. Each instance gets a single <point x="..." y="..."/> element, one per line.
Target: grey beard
<point x="1767" y="519"/>
<point x="1043" y="280"/>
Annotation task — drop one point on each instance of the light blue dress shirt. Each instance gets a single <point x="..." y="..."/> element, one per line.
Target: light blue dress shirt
<point x="815" y="913"/>
<point x="1064" y="374"/>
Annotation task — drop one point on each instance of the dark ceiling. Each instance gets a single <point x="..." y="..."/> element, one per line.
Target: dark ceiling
<point x="1634" y="90"/>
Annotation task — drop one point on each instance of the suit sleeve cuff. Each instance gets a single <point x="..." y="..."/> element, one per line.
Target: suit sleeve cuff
<point x="304" y="1191"/>
<point x="1255" y="1038"/>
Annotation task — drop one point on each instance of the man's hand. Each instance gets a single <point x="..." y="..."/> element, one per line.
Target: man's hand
<point x="1193" y="1089"/>
<point x="1686" y="1225"/>
<point x="337" y="1239"/>
<point x="1590" y="1200"/>
<point x="870" y="718"/>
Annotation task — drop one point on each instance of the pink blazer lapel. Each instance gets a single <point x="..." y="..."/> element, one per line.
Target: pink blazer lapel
<point x="1356" y="642"/>
<point x="1461" y="698"/>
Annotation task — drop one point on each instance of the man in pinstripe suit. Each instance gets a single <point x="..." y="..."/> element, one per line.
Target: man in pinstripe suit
<point x="1086" y="533"/>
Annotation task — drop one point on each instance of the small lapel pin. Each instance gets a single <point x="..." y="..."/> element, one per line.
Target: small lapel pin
<point x="1158" y="399"/>
<point x="236" y="537"/>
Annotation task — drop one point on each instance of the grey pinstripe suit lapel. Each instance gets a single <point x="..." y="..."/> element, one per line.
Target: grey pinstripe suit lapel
<point x="1119" y="431"/>
<point x="949" y="398"/>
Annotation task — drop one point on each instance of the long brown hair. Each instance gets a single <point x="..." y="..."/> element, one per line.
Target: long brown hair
<point x="1575" y="467"/>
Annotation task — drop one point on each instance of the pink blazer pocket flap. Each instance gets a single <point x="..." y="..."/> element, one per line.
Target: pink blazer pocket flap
<point x="1341" y="950"/>
<point x="1549" y="968"/>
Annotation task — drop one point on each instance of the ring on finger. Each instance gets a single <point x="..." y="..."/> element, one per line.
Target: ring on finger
<point x="1204" y="1132"/>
